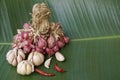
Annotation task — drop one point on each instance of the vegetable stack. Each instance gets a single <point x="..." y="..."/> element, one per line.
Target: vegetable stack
<point x="36" y="40"/>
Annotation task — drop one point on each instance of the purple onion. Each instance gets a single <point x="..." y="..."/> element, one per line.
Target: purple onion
<point x="42" y="43"/>
<point x="66" y="39"/>
<point x="39" y="50"/>
<point x="33" y="50"/>
<point x="32" y="46"/>
<point x="26" y="42"/>
<point x="26" y="35"/>
<point x="20" y="37"/>
<point x="60" y="44"/>
<point x="27" y="26"/>
<point x="55" y="48"/>
<point x="26" y="49"/>
<point x="51" y="41"/>
<point x="49" y="51"/>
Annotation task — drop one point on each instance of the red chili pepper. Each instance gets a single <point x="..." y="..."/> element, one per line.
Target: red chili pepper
<point x="57" y="68"/>
<point x="43" y="72"/>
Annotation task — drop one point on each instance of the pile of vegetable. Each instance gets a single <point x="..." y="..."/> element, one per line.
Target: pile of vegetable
<point x="37" y="40"/>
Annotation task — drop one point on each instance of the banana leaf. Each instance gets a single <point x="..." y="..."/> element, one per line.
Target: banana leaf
<point x="92" y="25"/>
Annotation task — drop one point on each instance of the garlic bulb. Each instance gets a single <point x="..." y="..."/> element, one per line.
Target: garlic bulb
<point x="25" y="68"/>
<point x="36" y="58"/>
<point x="59" y="56"/>
<point x="15" y="56"/>
<point x="47" y="62"/>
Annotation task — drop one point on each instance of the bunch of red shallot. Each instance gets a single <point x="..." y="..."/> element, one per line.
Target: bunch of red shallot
<point x="36" y="40"/>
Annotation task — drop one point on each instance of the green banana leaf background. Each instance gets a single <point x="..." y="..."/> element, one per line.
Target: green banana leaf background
<point x="92" y="25"/>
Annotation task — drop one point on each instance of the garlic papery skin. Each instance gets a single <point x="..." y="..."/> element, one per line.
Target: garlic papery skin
<point x="47" y="62"/>
<point x="36" y="58"/>
<point x="15" y="56"/>
<point x="25" y="67"/>
<point x="59" y="56"/>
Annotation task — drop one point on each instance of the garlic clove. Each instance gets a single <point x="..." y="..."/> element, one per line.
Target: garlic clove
<point x="29" y="69"/>
<point x="10" y="57"/>
<point x="23" y="69"/>
<point x="19" y="58"/>
<point x="9" y="52"/>
<point x="32" y="66"/>
<point x="59" y="56"/>
<point x="19" y="66"/>
<point x="21" y="53"/>
<point x="36" y="59"/>
<point x="47" y="62"/>
<point x="14" y="62"/>
<point x="30" y="57"/>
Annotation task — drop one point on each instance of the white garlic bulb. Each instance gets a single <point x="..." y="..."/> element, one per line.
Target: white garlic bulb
<point x="59" y="56"/>
<point x="25" y="67"/>
<point x="47" y="62"/>
<point x="15" y="56"/>
<point x="36" y="58"/>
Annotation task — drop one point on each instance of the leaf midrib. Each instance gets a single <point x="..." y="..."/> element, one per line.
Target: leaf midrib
<point x="80" y="39"/>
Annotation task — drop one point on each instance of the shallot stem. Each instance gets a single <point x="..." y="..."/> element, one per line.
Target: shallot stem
<point x="43" y="72"/>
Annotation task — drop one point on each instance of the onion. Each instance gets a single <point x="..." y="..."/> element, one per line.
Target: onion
<point x="26" y="35"/>
<point x="51" y="41"/>
<point x="66" y="39"/>
<point x="42" y="43"/>
<point x="26" y="49"/>
<point x="49" y="51"/>
<point x="39" y="50"/>
<point x="60" y="44"/>
<point x="56" y="48"/>
<point x="26" y="42"/>
<point x="26" y="26"/>
<point x="20" y="37"/>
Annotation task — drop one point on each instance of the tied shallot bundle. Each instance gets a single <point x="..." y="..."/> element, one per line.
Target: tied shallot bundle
<point x="35" y="40"/>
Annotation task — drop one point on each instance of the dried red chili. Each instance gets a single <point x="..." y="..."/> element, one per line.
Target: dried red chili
<point x="43" y="72"/>
<point x="57" y="68"/>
